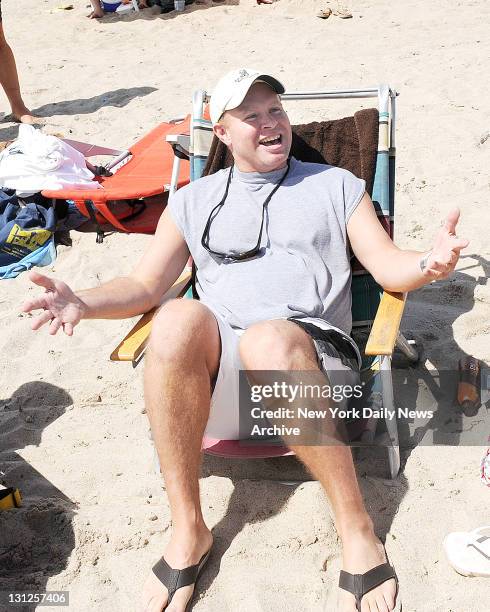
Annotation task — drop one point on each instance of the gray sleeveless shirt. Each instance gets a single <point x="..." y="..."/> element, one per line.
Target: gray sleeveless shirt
<point x="303" y="269"/>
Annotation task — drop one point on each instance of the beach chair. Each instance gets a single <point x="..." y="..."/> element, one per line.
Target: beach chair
<point x="376" y="314"/>
<point x="129" y="181"/>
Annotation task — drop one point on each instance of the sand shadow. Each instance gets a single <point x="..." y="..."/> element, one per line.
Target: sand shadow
<point x="36" y="540"/>
<point x="262" y="488"/>
<point x="258" y="493"/>
<point x="86" y="106"/>
<point x="195" y="7"/>
<point x="8" y="134"/>
<point x="419" y="387"/>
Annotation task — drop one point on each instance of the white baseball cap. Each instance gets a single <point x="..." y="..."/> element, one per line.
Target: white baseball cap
<point x="233" y="87"/>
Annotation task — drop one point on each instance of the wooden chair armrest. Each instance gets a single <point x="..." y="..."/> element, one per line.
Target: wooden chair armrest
<point x="386" y="324"/>
<point x="131" y="348"/>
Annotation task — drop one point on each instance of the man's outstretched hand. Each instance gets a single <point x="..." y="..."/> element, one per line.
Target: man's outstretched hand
<point x="441" y="261"/>
<point x="61" y="307"/>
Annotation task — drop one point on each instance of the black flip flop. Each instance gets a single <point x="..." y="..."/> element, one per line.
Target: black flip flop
<point x="360" y="584"/>
<point x="174" y="579"/>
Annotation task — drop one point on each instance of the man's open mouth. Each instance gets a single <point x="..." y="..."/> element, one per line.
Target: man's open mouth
<point x="271" y="140"/>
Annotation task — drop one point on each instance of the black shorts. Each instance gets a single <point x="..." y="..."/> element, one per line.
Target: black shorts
<point x="328" y="342"/>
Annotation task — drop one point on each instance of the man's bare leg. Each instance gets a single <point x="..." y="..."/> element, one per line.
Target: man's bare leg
<point x="10" y="82"/>
<point x="181" y="361"/>
<point x="282" y="345"/>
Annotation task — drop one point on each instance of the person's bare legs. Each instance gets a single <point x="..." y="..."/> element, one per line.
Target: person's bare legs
<point x="182" y="360"/>
<point x="97" y="10"/>
<point x="282" y="345"/>
<point x="10" y="82"/>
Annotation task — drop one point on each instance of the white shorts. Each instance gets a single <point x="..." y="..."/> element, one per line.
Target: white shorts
<point x="224" y="422"/>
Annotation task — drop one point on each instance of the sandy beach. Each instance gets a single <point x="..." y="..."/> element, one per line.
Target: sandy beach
<point x="73" y="434"/>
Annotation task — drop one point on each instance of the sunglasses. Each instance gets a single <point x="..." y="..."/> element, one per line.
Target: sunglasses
<point x="244" y="255"/>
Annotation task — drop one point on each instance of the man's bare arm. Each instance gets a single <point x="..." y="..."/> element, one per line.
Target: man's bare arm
<point x="396" y="269"/>
<point x="121" y="297"/>
<point x="142" y="289"/>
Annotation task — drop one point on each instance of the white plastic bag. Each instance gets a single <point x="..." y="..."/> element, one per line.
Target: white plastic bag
<point x="37" y="161"/>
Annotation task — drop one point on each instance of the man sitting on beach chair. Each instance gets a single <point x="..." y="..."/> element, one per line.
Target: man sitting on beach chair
<point x="270" y="239"/>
